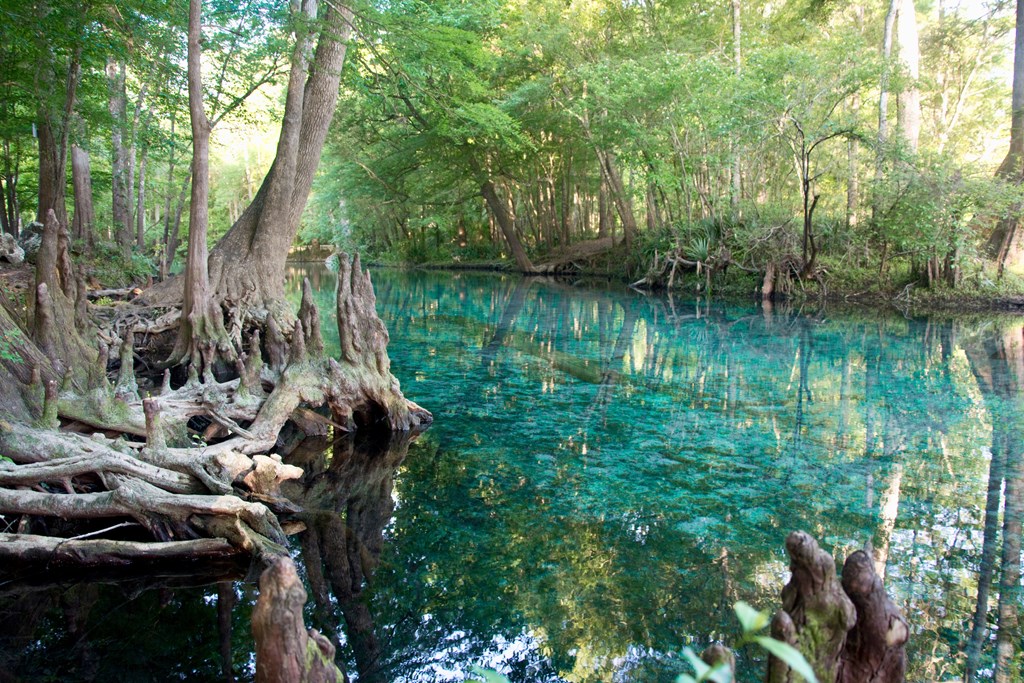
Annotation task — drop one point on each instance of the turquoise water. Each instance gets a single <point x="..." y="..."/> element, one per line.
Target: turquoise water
<point x="609" y="472"/>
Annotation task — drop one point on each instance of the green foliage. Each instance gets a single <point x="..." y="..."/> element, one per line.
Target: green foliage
<point x="108" y="265"/>
<point x="487" y="676"/>
<point x="719" y="673"/>
<point x="8" y="350"/>
<point x="752" y="621"/>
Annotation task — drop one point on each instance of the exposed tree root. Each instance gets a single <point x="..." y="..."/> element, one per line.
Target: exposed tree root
<point x="58" y="554"/>
<point x="285" y="650"/>
<point x="139" y="460"/>
<point x="848" y="631"/>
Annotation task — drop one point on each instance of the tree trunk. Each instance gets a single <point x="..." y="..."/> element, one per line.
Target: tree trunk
<point x="1002" y="243"/>
<point x="140" y="205"/>
<point x="81" y="180"/>
<point x="119" y="159"/>
<point x="508" y="229"/>
<point x="883" y="98"/>
<point x="201" y="320"/>
<point x="623" y="203"/>
<point x="737" y="169"/>
<point x="251" y="256"/>
<point x="54" y="133"/>
<point x="909" y="100"/>
<point x="173" y="240"/>
<point x="5" y="225"/>
<point x="853" y="180"/>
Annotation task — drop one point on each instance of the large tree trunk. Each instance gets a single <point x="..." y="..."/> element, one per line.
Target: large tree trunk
<point x="1002" y="245"/>
<point x="54" y="133"/>
<point x="81" y="181"/>
<point x="499" y="209"/>
<point x="248" y="263"/>
<point x="201" y="319"/>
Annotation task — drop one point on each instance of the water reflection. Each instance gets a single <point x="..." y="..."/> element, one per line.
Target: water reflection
<point x="347" y="497"/>
<point x="610" y="472"/>
<point x="606" y="475"/>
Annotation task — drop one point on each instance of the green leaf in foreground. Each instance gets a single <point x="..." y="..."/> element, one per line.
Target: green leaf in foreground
<point x="751" y="620"/>
<point x="790" y="655"/>
<point x="487" y="675"/>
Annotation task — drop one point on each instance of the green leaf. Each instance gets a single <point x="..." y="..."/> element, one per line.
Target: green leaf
<point x="793" y="658"/>
<point x="685" y="678"/>
<point x="698" y="664"/>
<point x="751" y="620"/>
<point x="488" y="675"/>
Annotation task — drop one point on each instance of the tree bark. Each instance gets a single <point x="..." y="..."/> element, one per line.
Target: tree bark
<point x="909" y="100"/>
<point x="499" y="209"/>
<point x="251" y="256"/>
<point x="201" y="320"/>
<point x="140" y="204"/>
<point x="81" y="180"/>
<point x="737" y="169"/>
<point x="1002" y="244"/>
<point x="849" y="632"/>
<point x="623" y="203"/>
<point x="883" y="98"/>
<point x="119" y="154"/>
<point x="54" y="133"/>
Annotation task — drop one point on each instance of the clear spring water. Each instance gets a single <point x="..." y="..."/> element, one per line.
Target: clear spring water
<point x="608" y="473"/>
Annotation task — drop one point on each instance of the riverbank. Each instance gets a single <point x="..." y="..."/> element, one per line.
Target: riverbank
<point x="978" y="294"/>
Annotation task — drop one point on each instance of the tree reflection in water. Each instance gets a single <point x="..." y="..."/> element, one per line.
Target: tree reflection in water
<point x="607" y="474"/>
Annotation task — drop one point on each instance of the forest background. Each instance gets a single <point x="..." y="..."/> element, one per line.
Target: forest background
<point x="849" y="146"/>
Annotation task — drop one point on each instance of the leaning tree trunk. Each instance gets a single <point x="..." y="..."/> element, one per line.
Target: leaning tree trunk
<point x="499" y="209"/>
<point x="247" y="265"/>
<point x="620" y="197"/>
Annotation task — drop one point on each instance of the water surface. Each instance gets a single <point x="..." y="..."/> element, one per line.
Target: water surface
<point x="608" y="473"/>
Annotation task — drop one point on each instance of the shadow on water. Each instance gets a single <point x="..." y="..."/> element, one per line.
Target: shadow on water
<point x="607" y="474"/>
